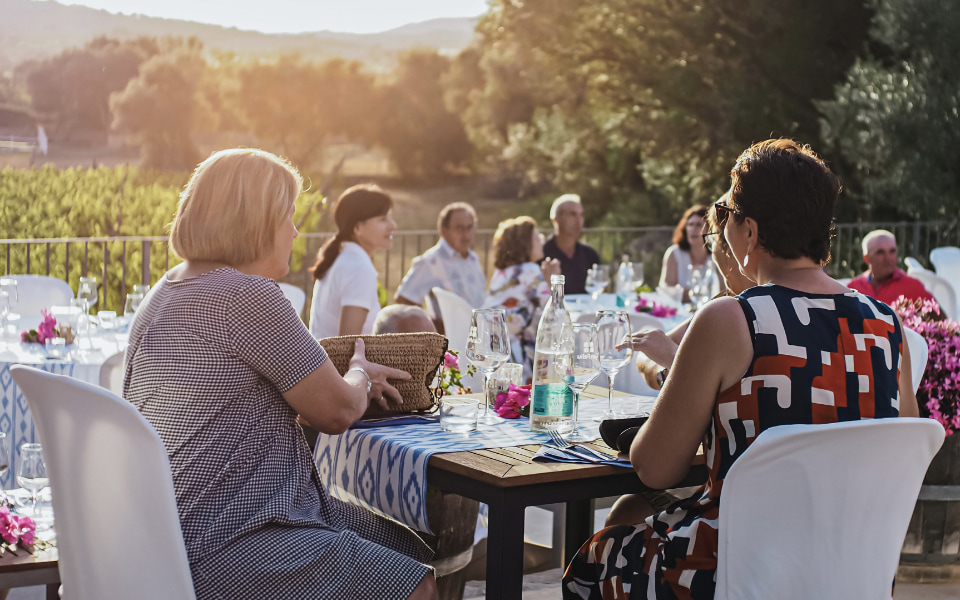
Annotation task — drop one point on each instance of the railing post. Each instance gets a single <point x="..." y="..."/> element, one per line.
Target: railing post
<point x="145" y="275"/>
<point x="106" y="263"/>
<point x="28" y="258"/>
<point x="916" y="238"/>
<point x="48" y="259"/>
<point x="123" y="278"/>
<point x="66" y="262"/>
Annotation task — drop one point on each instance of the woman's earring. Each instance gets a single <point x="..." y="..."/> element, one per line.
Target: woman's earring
<point x="746" y="259"/>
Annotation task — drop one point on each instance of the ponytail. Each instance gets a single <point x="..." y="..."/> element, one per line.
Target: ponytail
<point x="327" y="255"/>
<point x="355" y="205"/>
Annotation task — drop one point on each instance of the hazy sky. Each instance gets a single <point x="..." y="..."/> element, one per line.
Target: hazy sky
<point x="294" y="16"/>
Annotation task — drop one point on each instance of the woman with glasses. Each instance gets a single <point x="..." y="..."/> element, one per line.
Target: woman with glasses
<point x="791" y="338"/>
<point x="687" y="252"/>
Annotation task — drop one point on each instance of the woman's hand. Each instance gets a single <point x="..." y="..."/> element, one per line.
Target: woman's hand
<point x="549" y="267"/>
<point x="380" y="389"/>
<point x="655" y="344"/>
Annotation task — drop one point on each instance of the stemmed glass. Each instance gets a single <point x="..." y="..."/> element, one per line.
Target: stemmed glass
<point x="87" y="294"/>
<point x="488" y="347"/>
<point x="613" y="328"/>
<point x="597" y="279"/>
<point x="579" y="368"/>
<point x="32" y="474"/>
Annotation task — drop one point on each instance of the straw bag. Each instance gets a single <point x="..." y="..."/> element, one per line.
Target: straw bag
<point x="419" y="354"/>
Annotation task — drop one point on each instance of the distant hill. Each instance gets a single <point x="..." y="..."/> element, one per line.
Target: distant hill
<point x="33" y="29"/>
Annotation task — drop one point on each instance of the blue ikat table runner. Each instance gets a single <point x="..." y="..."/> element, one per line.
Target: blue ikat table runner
<point x="385" y="469"/>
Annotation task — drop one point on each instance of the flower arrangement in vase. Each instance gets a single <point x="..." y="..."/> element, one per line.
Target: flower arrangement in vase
<point x="938" y="394"/>
<point x="47" y="329"/>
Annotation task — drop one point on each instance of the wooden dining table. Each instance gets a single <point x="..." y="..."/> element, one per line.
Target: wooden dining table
<point x="508" y="480"/>
<point x="22" y="569"/>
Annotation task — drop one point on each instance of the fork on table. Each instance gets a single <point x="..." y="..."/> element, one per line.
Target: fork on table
<point x="557" y="441"/>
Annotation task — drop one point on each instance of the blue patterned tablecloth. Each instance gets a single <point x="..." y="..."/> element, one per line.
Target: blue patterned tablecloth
<point x="15" y="418"/>
<point x="385" y="469"/>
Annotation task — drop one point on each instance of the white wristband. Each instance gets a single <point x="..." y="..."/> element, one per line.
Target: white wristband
<point x="365" y="374"/>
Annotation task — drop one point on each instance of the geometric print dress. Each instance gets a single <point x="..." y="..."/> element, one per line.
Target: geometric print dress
<point x="208" y="361"/>
<point x="817" y="358"/>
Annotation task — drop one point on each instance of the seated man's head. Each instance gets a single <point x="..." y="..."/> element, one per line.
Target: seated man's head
<point x="567" y="215"/>
<point x="880" y="252"/>
<point x="458" y="224"/>
<point x="401" y="318"/>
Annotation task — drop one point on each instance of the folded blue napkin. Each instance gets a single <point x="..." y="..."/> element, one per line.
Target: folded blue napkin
<point x="579" y="454"/>
<point x="395" y="420"/>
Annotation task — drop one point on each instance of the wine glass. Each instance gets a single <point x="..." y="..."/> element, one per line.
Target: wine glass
<point x="131" y="305"/>
<point x="488" y="347"/>
<point x="32" y="474"/>
<point x="597" y="279"/>
<point x="87" y="294"/>
<point x="9" y="285"/>
<point x="579" y="368"/>
<point x="613" y="329"/>
<point x="4" y="465"/>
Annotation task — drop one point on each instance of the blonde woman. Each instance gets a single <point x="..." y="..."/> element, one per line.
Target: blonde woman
<point x="520" y="285"/>
<point x="221" y="365"/>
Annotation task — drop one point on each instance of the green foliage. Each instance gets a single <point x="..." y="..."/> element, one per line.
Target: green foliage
<point x="896" y="118"/>
<point x="164" y="105"/>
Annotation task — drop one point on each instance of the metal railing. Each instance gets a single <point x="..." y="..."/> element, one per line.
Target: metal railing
<point x="119" y="262"/>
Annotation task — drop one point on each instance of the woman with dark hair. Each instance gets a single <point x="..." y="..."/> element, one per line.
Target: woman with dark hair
<point x="519" y="285"/>
<point x="345" y="298"/>
<point x="782" y="352"/>
<point x="687" y="252"/>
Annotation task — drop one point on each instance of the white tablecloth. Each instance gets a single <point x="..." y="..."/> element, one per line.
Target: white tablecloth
<point x="15" y="418"/>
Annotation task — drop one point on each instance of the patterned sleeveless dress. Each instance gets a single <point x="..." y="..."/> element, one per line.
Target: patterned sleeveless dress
<point x="817" y="358"/>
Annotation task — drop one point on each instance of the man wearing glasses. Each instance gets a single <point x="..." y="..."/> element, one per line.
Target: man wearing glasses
<point x="883" y="280"/>
<point x="451" y="264"/>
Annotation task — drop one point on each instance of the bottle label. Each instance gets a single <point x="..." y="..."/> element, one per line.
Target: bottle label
<point x="552" y="400"/>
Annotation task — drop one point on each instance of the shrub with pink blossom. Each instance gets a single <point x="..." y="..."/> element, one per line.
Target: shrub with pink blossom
<point x="451" y="377"/>
<point x="939" y="393"/>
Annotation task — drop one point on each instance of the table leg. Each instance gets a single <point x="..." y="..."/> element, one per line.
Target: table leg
<point x="53" y="591"/>
<point x="505" y="550"/>
<point x="579" y="527"/>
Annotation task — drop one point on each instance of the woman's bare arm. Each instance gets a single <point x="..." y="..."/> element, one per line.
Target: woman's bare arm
<point x="352" y="319"/>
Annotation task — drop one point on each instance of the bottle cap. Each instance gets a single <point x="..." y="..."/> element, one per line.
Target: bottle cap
<point x="555" y="279"/>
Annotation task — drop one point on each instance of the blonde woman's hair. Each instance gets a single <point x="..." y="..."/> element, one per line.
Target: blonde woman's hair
<point x="233" y="205"/>
<point x="513" y="242"/>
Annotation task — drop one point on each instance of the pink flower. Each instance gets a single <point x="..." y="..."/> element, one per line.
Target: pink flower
<point x="509" y="403"/>
<point x="28" y="530"/>
<point x="9" y="530"/>
<point x="451" y="361"/>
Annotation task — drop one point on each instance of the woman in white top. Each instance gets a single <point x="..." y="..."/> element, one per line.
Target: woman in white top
<point x="687" y="250"/>
<point x="345" y="299"/>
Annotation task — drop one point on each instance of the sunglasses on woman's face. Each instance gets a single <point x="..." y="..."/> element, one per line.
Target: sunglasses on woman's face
<point x="723" y="212"/>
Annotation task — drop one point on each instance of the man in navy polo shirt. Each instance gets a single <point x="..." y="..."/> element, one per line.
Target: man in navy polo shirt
<point x="564" y="245"/>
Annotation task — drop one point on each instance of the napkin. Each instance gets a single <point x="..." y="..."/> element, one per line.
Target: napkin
<point x="395" y="420"/>
<point x="579" y="454"/>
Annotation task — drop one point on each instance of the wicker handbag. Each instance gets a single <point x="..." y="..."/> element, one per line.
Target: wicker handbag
<point x="419" y="354"/>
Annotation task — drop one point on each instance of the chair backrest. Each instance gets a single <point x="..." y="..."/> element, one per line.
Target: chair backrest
<point x="36" y="292"/>
<point x="844" y="280"/>
<point x="946" y="261"/>
<point x="295" y="295"/>
<point x="118" y="532"/>
<point x="821" y="511"/>
<point x="455" y="313"/>
<point x="941" y="289"/>
<point x="918" y="355"/>
<point x="913" y="265"/>
<point x="640" y="321"/>
<point x="111" y="373"/>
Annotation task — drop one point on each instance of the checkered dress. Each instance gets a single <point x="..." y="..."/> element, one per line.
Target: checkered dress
<point x="208" y="360"/>
<point x="818" y="358"/>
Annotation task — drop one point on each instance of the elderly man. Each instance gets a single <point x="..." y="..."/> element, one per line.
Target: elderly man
<point x="883" y="280"/>
<point x="564" y="245"/>
<point x="400" y="318"/>
<point x="450" y="264"/>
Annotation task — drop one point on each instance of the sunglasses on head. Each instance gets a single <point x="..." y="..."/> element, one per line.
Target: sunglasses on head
<point x="723" y="212"/>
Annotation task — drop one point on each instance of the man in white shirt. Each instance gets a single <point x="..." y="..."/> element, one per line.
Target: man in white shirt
<point x="450" y="264"/>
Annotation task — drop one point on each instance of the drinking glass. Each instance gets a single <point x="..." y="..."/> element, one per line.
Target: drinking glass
<point x="597" y="279"/>
<point x="87" y="293"/>
<point x="579" y="369"/>
<point x="132" y="305"/>
<point x="9" y="285"/>
<point x="458" y="414"/>
<point x="141" y="288"/>
<point x="613" y="328"/>
<point x="32" y="474"/>
<point x="488" y="347"/>
<point x="4" y="465"/>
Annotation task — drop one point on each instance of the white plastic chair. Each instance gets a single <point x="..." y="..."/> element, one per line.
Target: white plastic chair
<point x="919" y="352"/>
<point x="295" y="295"/>
<point x="913" y="265"/>
<point x="946" y="261"/>
<point x="844" y="280"/>
<point x="821" y="511"/>
<point x="123" y="540"/>
<point x="111" y="373"/>
<point x="455" y="312"/>
<point x="941" y="289"/>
